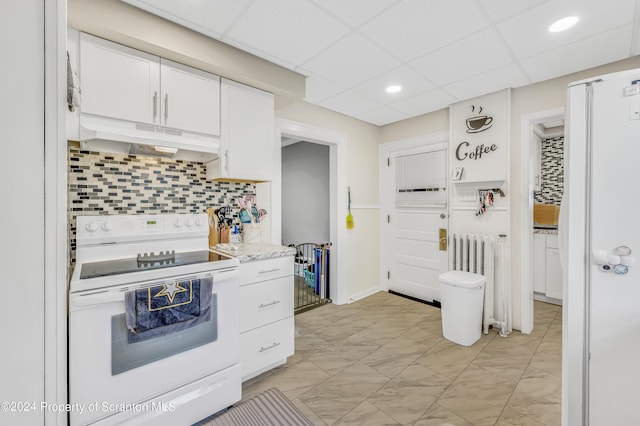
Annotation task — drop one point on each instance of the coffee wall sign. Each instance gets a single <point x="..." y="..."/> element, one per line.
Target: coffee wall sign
<point x="479" y="135"/>
<point x="475" y="124"/>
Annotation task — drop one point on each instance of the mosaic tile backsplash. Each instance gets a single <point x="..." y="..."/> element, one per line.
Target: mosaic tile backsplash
<point x="101" y="184"/>
<point x="552" y="171"/>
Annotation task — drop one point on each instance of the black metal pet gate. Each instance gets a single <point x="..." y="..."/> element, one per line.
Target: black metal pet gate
<point x="311" y="276"/>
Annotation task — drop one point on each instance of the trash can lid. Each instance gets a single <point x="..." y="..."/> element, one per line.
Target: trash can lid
<point x="462" y="278"/>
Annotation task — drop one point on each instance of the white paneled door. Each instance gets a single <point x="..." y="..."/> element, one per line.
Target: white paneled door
<point x="415" y="185"/>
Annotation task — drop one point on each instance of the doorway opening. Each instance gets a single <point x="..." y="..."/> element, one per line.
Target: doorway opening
<point x="334" y="145"/>
<point x="306" y="218"/>
<point x="541" y="277"/>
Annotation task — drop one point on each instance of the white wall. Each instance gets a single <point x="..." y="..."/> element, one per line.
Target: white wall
<point x="305" y="193"/>
<point x="22" y="213"/>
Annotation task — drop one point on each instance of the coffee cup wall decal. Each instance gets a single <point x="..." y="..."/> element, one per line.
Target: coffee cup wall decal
<point x="478" y="123"/>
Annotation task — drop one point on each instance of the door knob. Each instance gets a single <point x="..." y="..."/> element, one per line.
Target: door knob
<point x="618" y="260"/>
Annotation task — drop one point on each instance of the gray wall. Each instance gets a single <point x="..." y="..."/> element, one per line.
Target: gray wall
<point x="305" y="193"/>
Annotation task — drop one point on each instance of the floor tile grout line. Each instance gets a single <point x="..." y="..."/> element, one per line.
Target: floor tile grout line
<point x="522" y="375"/>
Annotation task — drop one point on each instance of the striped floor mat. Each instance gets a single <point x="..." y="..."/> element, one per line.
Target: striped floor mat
<point x="269" y="408"/>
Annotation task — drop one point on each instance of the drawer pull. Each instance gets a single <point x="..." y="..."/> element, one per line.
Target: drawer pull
<point x="264" y="305"/>
<point x="275" y="345"/>
<point x="266" y="271"/>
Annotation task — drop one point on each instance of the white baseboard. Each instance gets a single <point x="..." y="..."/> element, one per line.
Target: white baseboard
<point x="364" y="293"/>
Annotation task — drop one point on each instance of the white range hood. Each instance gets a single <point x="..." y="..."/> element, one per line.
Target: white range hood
<point x="125" y="137"/>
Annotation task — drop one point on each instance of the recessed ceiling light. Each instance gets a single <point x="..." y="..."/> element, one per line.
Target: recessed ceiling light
<point x="394" y="89"/>
<point x="563" y="24"/>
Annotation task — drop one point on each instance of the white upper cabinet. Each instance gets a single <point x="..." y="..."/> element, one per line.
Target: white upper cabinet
<point x="118" y="81"/>
<point x="190" y="98"/>
<point x="247" y="134"/>
<point x="125" y="83"/>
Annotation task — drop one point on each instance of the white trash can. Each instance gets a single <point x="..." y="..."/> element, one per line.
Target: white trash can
<point x="462" y="300"/>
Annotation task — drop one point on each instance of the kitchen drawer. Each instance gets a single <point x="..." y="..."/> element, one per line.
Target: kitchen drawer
<point x="266" y="346"/>
<point x="262" y="270"/>
<point x="552" y="241"/>
<point x="265" y="302"/>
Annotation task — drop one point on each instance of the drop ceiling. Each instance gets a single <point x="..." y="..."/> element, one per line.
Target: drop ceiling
<point x="440" y="51"/>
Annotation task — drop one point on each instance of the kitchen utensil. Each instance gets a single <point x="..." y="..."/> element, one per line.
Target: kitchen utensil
<point x="350" y="223"/>
<point x="255" y="213"/>
<point x="251" y="198"/>
<point x="244" y="216"/>
<point x="261" y="214"/>
<point x="241" y="202"/>
<point x="248" y="205"/>
<point x="213" y="227"/>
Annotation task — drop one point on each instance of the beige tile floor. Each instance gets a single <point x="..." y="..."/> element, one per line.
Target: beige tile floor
<point x="383" y="361"/>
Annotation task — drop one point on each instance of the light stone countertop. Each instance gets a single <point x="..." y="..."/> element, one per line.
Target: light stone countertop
<point x="251" y="252"/>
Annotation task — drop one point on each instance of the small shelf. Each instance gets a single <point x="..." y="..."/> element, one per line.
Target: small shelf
<point x="476" y="181"/>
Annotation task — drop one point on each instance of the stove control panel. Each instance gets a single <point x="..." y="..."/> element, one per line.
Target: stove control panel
<point x="119" y="228"/>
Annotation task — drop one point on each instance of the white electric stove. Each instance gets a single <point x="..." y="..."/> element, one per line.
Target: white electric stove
<point x="177" y="378"/>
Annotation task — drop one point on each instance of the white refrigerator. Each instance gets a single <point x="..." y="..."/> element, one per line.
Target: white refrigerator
<point x="600" y="237"/>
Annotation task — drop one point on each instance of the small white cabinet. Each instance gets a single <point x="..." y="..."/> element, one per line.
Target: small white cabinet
<point x="124" y="83"/>
<point x="553" y="277"/>
<point x="247" y="141"/>
<point x="547" y="270"/>
<point x="266" y="314"/>
<point x="539" y="260"/>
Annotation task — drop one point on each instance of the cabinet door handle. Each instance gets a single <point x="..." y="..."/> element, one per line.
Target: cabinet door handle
<point x="166" y="108"/>
<point x="226" y="160"/>
<point x="275" y="345"/>
<point x="266" y="271"/>
<point x="264" y="305"/>
<point x="155" y="106"/>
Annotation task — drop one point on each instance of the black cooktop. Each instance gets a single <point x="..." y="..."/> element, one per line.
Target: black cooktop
<point x="144" y="263"/>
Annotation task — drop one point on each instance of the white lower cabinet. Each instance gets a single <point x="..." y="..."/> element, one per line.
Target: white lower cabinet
<point x="547" y="271"/>
<point x="266" y="347"/>
<point x="553" y="277"/>
<point x="539" y="259"/>
<point x="266" y="315"/>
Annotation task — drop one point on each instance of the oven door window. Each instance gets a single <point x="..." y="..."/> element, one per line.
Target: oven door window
<point x="126" y="356"/>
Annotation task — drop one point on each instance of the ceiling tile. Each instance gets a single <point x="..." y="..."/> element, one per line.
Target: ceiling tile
<point x="293" y="30"/>
<point x="318" y="88"/>
<point x="354" y="12"/>
<point x="474" y="54"/>
<point x="601" y="49"/>
<point x="412" y="84"/>
<point x="382" y="116"/>
<point x="488" y="82"/>
<point x="351" y="61"/>
<point x="432" y="100"/>
<point x="499" y="10"/>
<point x="416" y="27"/>
<point x="527" y="34"/>
<point x="208" y="17"/>
<point x="350" y="103"/>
